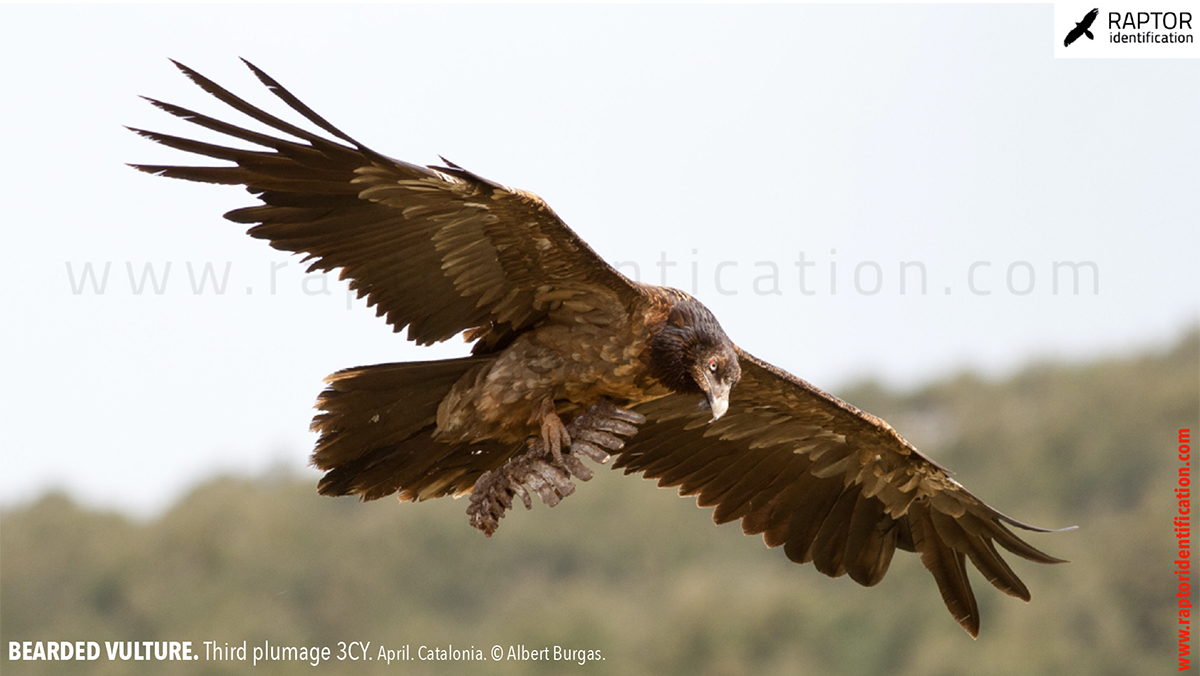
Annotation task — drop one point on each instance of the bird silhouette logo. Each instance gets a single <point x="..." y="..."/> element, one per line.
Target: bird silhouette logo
<point x="1081" y="28"/>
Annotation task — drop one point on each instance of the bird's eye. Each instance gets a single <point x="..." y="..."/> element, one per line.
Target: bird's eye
<point x="712" y="365"/>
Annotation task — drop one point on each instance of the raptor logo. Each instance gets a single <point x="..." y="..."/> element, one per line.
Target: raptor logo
<point x="1082" y="28"/>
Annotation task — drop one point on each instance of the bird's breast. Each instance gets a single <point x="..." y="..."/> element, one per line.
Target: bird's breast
<point x="572" y="365"/>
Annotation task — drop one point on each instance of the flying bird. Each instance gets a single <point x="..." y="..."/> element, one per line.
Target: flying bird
<point x="1082" y="28"/>
<point x="572" y="360"/>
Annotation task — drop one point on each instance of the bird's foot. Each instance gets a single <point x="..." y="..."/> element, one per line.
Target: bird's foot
<point x="555" y="435"/>
<point x="591" y="434"/>
<point x="597" y="431"/>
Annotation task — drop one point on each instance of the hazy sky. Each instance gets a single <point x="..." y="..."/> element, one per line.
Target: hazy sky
<point x="731" y="142"/>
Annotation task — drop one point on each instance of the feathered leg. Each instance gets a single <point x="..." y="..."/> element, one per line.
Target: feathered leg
<point x="545" y="469"/>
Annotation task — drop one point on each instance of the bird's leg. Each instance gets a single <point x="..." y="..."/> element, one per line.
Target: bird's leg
<point x="595" y="432"/>
<point x="554" y="434"/>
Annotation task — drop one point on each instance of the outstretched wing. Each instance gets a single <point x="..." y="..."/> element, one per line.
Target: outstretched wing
<point x="1089" y="18"/>
<point x="437" y="249"/>
<point x="834" y="485"/>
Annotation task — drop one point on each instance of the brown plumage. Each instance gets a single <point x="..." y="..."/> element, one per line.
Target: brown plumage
<point x="569" y="356"/>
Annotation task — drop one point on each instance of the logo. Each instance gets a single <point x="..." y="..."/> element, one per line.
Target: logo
<point x="1148" y="29"/>
<point x="1082" y="28"/>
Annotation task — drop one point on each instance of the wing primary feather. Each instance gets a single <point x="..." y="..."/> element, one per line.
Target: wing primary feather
<point x="981" y="553"/>
<point x="309" y="114"/>
<point x="233" y="101"/>
<point x="948" y="567"/>
<point x="1021" y="548"/>
<point x="202" y="148"/>
<point x="221" y="175"/>
<point x="306" y="155"/>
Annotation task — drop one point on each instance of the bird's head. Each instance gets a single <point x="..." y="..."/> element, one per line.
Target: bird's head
<point x="692" y="354"/>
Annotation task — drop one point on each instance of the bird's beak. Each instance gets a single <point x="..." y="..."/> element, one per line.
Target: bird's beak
<point x="718" y="398"/>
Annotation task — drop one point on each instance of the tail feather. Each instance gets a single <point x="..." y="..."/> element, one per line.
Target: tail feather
<point x="377" y="423"/>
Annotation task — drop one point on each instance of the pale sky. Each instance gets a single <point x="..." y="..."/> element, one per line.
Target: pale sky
<point x="734" y="142"/>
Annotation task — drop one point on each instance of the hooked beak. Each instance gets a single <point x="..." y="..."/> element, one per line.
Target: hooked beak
<point x="718" y="397"/>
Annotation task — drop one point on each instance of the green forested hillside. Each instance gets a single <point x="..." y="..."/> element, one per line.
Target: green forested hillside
<point x="642" y="576"/>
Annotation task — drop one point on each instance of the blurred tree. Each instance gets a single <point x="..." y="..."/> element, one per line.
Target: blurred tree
<point x="640" y="575"/>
